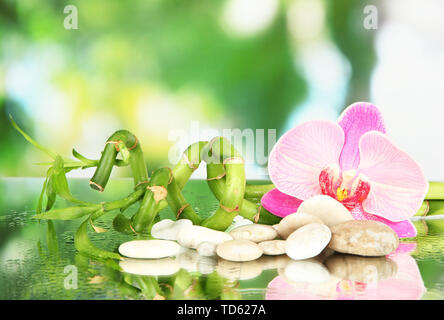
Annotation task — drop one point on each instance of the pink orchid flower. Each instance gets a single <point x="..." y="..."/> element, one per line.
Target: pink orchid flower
<point x="352" y="161"/>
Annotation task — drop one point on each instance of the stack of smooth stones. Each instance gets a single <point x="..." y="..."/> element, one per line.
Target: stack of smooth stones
<point x="320" y="227"/>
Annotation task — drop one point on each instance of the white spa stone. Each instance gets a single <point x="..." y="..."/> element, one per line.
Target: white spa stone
<point x="273" y="247"/>
<point x="363" y="237"/>
<point x="239" y="250"/>
<point x="293" y="222"/>
<point x="307" y="241"/>
<point x="329" y="210"/>
<point x="149" y="249"/>
<point x="168" y="229"/>
<point x="192" y="236"/>
<point x="254" y="232"/>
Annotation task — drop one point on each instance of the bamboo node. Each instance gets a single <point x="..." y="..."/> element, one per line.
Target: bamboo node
<point x="229" y="209"/>
<point x="131" y="227"/>
<point x="217" y="177"/>
<point x="179" y="212"/>
<point x="116" y="143"/>
<point x="98" y="186"/>
<point x="427" y="209"/>
<point x="189" y="163"/>
<point x="134" y="145"/>
<point x="234" y="160"/>
<point x="257" y="215"/>
<point x="171" y="174"/>
<point x="141" y="183"/>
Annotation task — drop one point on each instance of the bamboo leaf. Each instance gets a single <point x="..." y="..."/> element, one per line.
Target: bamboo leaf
<point x="42" y="193"/>
<point x="84" y="245"/>
<point x="83" y="159"/>
<point x="60" y="183"/>
<point x="30" y="140"/>
<point x="50" y="193"/>
<point x="70" y="213"/>
<point x="122" y="224"/>
<point x="51" y="239"/>
<point x="96" y="228"/>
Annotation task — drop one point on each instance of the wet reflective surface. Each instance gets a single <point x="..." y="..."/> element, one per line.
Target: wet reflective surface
<point x="38" y="260"/>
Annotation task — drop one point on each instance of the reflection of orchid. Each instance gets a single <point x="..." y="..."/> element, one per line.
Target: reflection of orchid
<point x="406" y="284"/>
<point x="352" y="161"/>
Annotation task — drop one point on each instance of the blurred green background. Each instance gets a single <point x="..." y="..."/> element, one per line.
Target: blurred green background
<point x="157" y="66"/>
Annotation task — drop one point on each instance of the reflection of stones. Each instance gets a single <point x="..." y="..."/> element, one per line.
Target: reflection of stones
<point x="153" y="267"/>
<point x="192" y="236"/>
<point x="274" y="262"/>
<point x="273" y="247"/>
<point x="238" y="270"/>
<point x="362" y="269"/>
<point x="306" y="271"/>
<point x="363" y="237"/>
<point x="191" y="261"/>
<point x="329" y="210"/>
<point x="307" y="241"/>
<point x="168" y="229"/>
<point x="149" y="249"/>
<point x="239" y="250"/>
<point x="327" y="252"/>
<point x="207" y="249"/>
<point x="293" y="222"/>
<point x="254" y="232"/>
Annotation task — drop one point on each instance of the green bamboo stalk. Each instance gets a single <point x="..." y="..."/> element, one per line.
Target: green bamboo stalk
<point x="220" y="150"/>
<point x="155" y="192"/>
<point x="436" y="191"/>
<point x="431" y="208"/>
<point x="121" y="141"/>
<point x="75" y="212"/>
<point x="84" y="245"/>
<point x="188" y="163"/>
<point x="69" y="213"/>
<point x="256" y="191"/>
<point x="248" y="209"/>
<point x="178" y="204"/>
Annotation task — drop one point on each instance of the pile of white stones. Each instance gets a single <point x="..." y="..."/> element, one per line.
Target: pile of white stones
<point x="321" y="224"/>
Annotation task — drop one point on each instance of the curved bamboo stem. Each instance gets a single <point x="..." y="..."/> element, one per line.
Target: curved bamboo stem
<point x="120" y="141"/>
<point x="220" y="150"/>
<point x="155" y="192"/>
<point x="248" y="209"/>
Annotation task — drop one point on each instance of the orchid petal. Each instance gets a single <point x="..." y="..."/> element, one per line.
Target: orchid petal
<point x="300" y="154"/>
<point x="279" y="203"/>
<point x="356" y="120"/>
<point x="404" y="229"/>
<point x="397" y="183"/>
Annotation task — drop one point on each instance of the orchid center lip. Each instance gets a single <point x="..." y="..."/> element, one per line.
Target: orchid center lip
<point x="348" y="187"/>
<point x="341" y="194"/>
